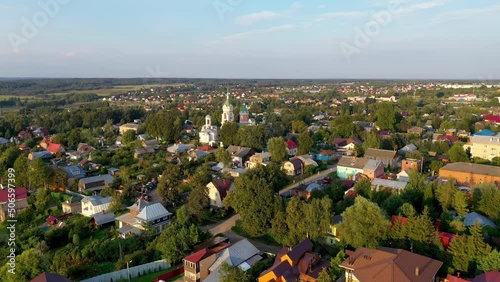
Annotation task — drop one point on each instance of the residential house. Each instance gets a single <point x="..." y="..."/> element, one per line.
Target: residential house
<point x="20" y="203"/>
<point x="347" y="143"/>
<point x="469" y="174"/>
<point x="95" y="204"/>
<point x="408" y="149"/>
<point x="379" y="184"/>
<point x="307" y="160"/>
<point x="112" y="171"/>
<point x="196" y="264"/>
<point x="240" y="155"/>
<point x="242" y="254"/>
<point x="141" y="152"/>
<point x="485" y="132"/>
<point x="293" y="167"/>
<point x="196" y="155"/>
<point x="128" y="126"/>
<point x="72" y="205"/>
<point x="326" y="155"/>
<point x="331" y="237"/>
<point x="39" y="155"/>
<point x="84" y="148"/>
<point x="472" y="217"/>
<point x="4" y="141"/>
<point x="217" y="191"/>
<point x="140" y="215"/>
<point x="24" y="134"/>
<point x="206" y="148"/>
<point x="389" y="158"/>
<point x="298" y="263"/>
<point x="54" y="148"/>
<point x="389" y="265"/>
<point x="485" y="147"/>
<point x="103" y="218"/>
<point x="291" y="147"/>
<point x="40" y="132"/>
<point x="94" y="183"/>
<point x="179" y="148"/>
<point x="411" y="164"/>
<point x="259" y="159"/>
<point x="237" y="172"/>
<point x="304" y="191"/>
<point x="153" y="143"/>
<point x="50" y="277"/>
<point x="494" y="119"/>
<point x="74" y="172"/>
<point x="351" y="168"/>
<point x="404" y="175"/>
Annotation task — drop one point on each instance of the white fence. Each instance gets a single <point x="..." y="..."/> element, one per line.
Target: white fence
<point x="134" y="272"/>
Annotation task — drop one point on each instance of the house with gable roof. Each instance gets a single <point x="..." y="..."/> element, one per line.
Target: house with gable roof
<point x="389" y="265"/>
<point x="297" y="263"/>
<point x="218" y="190"/>
<point x="140" y="214"/>
<point x="352" y="167"/>
<point x="242" y="254"/>
<point x="291" y="147"/>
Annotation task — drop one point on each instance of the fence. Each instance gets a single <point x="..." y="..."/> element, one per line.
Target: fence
<point x="135" y="271"/>
<point x="170" y="274"/>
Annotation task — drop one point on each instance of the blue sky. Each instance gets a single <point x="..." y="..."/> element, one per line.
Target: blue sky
<point x="251" y="39"/>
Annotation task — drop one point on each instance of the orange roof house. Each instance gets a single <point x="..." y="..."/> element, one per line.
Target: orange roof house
<point x="389" y="265"/>
<point x="295" y="264"/>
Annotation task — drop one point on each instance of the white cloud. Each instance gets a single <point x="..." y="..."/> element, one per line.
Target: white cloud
<point x="463" y="14"/>
<point x="420" y="6"/>
<point x="340" y="15"/>
<point x="247" y="34"/>
<point x="250" y="19"/>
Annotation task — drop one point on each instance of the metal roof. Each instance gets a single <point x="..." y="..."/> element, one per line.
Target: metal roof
<point x="108" y="178"/>
<point x="235" y="255"/>
<point x="152" y="212"/>
<point x="400" y="185"/>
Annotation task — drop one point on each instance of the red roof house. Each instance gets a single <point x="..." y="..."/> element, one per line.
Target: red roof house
<point x="21" y="194"/>
<point x="54" y="148"/>
<point x="290" y="144"/>
<point x="492" y="119"/>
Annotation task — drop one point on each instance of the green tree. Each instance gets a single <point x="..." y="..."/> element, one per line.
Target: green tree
<point x="59" y="178"/>
<point x="435" y="166"/>
<point x="363" y="224"/>
<point x="386" y="116"/>
<point x="128" y="137"/>
<point x="76" y="240"/>
<point x="358" y="150"/>
<point x="116" y="203"/>
<point x="38" y="174"/>
<point x="21" y="166"/>
<point x="223" y="156"/>
<point x="457" y="153"/>
<point x="177" y="240"/>
<point x="277" y="148"/>
<point x="489" y="262"/>
<point x="305" y="143"/>
<point x="445" y="195"/>
<point x="299" y="127"/>
<point x="198" y="201"/>
<point x="253" y="197"/>
<point x="460" y="203"/>
<point x="29" y="264"/>
<point x="229" y="134"/>
<point x="324" y="276"/>
<point x="43" y="197"/>
<point x="233" y="273"/>
<point x="372" y="140"/>
<point x="168" y="186"/>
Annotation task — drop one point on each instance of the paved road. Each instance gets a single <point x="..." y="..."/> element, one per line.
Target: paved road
<point x="310" y="179"/>
<point x="223" y="226"/>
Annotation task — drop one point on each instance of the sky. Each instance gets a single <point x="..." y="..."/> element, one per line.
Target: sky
<point x="329" y="39"/>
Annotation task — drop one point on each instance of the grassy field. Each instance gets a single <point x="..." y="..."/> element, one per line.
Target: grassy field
<point x="115" y="90"/>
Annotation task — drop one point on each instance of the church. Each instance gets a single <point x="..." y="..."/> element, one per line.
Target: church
<point x="209" y="133"/>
